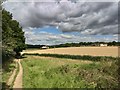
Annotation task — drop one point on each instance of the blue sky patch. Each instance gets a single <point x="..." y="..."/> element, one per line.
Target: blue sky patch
<point x="52" y="30"/>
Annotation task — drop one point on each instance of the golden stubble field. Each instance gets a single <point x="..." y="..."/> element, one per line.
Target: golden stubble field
<point x="93" y="51"/>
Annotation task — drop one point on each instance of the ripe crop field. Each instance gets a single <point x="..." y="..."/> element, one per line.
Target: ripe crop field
<point x="66" y="71"/>
<point x="93" y="51"/>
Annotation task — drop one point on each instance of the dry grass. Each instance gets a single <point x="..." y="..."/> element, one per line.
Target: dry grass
<point x="93" y="51"/>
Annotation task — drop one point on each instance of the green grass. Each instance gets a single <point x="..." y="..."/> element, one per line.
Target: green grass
<point x="49" y="72"/>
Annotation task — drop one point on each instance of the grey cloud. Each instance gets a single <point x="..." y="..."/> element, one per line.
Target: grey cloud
<point x="68" y="16"/>
<point x="105" y="30"/>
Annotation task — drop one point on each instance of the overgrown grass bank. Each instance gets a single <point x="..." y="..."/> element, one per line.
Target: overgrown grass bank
<point x="49" y="72"/>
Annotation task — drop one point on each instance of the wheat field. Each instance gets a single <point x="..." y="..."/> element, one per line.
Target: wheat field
<point x="92" y="51"/>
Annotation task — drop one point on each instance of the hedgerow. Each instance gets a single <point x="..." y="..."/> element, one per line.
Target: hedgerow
<point x="78" y="57"/>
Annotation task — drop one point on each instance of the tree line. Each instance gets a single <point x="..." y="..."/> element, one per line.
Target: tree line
<point x="114" y="43"/>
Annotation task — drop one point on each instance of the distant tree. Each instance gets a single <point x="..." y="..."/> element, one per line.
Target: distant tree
<point x="114" y="43"/>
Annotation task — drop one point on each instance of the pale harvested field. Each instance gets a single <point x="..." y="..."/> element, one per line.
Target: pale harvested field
<point x="93" y="51"/>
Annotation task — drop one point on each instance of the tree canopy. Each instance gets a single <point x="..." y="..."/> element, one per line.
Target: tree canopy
<point x="13" y="40"/>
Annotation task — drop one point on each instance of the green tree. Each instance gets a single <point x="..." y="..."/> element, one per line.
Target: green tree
<point x="13" y="39"/>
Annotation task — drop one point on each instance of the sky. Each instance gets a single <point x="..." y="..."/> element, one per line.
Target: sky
<point x="52" y="22"/>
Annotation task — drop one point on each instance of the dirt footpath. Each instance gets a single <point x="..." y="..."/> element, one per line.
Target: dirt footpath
<point x="18" y="80"/>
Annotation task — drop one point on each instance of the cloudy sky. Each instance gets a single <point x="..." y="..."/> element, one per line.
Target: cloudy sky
<point x="64" y="21"/>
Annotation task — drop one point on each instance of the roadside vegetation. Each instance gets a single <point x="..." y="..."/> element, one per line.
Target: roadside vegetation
<point x="53" y="72"/>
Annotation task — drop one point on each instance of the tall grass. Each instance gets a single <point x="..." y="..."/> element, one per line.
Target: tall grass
<point x="50" y="73"/>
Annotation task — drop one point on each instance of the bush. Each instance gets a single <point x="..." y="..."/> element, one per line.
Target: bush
<point x="7" y="55"/>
